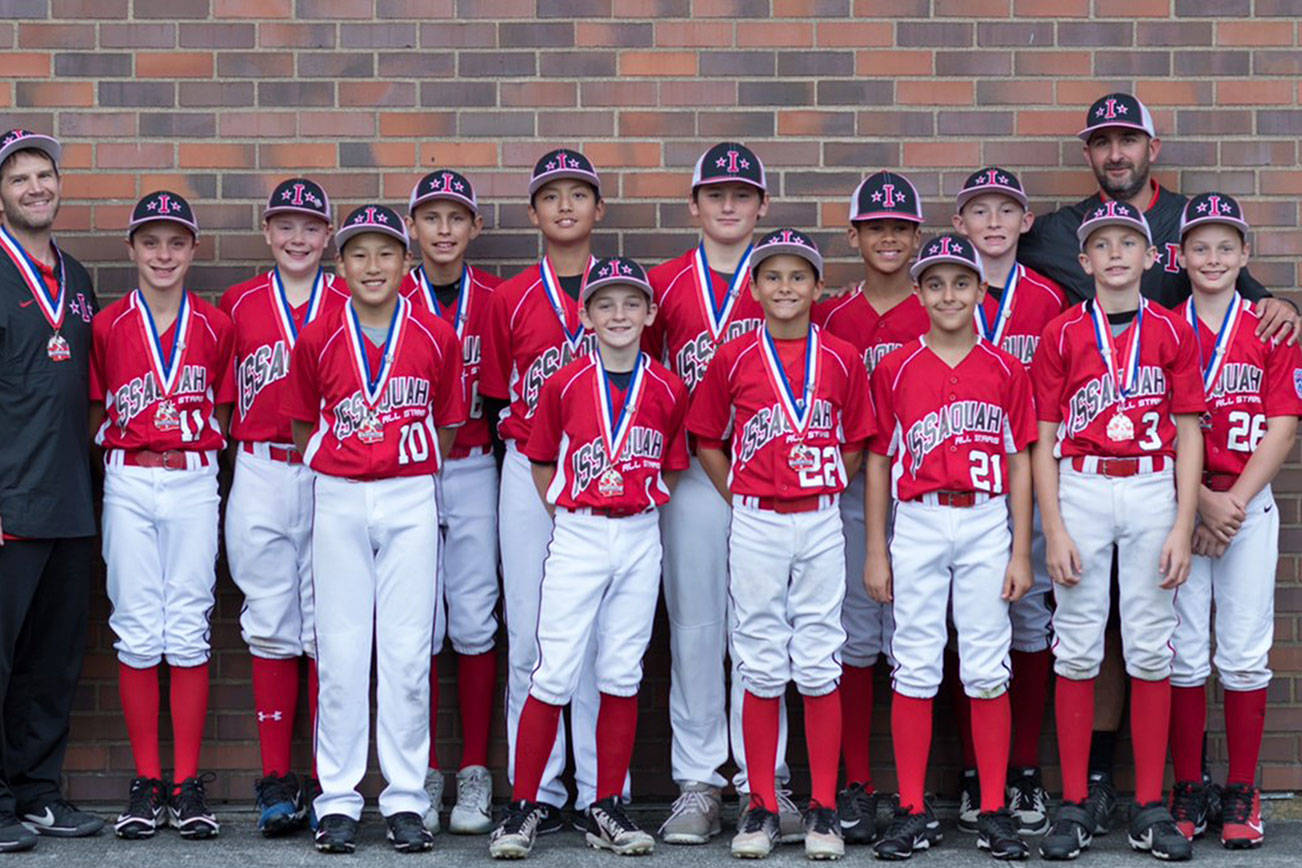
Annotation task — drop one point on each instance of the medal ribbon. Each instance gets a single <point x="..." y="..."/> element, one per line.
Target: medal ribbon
<point x="432" y="300"/>
<point x="616" y="427"/>
<point x="285" y="311"/>
<point x="552" y="285"/>
<point x="799" y="411"/>
<point x="717" y="316"/>
<point x="373" y="383"/>
<point x="52" y="308"/>
<point x="1224" y="339"/>
<point x="995" y="333"/>
<point x="1124" y="381"/>
<point x="165" y="370"/>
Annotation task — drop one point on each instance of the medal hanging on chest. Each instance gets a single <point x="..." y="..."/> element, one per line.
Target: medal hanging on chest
<point x="1123" y="375"/>
<point x="53" y="309"/>
<point x="370" y="429"/>
<point x="798" y="410"/>
<point x="616" y="424"/>
<point x="166" y="366"/>
<point x="57" y="348"/>
<point x="716" y="315"/>
<point x="802" y="457"/>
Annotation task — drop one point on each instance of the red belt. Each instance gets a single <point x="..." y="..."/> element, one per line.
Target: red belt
<point x="1220" y="481"/>
<point x="605" y="511"/>
<point x="1116" y="467"/>
<point x="275" y="453"/>
<point x="787" y="507"/>
<point x="173" y="459"/>
<point x="955" y="498"/>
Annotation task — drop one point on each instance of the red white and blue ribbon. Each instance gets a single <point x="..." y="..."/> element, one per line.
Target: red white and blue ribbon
<point x="166" y="368"/>
<point x="1124" y="380"/>
<point x="717" y="316"/>
<point x="462" y="311"/>
<point x="616" y="425"/>
<point x="1224" y="338"/>
<point x="285" y="310"/>
<point x="52" y="308"/>
<point x="994" y="332"/>
<point x="552" y="285"/>
<point x="798" y="410"/>
<point x="373" y="382"/>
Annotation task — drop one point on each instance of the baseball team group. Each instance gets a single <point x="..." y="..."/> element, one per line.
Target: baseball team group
<point x="1024" y="452"/>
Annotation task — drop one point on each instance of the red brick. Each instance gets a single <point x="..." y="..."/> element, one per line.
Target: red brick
<point x="246" y="9"/>
<point x="656" y="63"/>
<point x="334" y="124"/>
<point x="1255" y="92"/>
<point x="1174" y="92"/>
<point x="136" y="155"/>
<point x="699" y="34"/>
<point x="1054" y="63"/>
<point x="779" y="34"/>
<point x="215" y="155"/>
<point x="90" y="9"/>
<point x="623" y="153"/>
<point x="1051" y="8"/>
<point x="894" y="63"/>
<point x="62" y="36"/>
<point x="180" y="64"/>
<point x="695" y="92"/>
<point x="942" y="154"/>
<point x="263" y="124"/>
<point x="469" y="154"/>
<point x="273" y="34"/>
<point x="54" y="93"/>
<point x="974" y="9"/>
<point x="333" y="8"/>
<point x="523" y="94"/>
<point x="622" y="34"/>
<point x="417" y="124"/>
<point x="933" y="93"/>
<point x="618" y="93"/>
<point x="811" y="8"/>
<point x="377" y="93"/>
<point x="26" y="64"/>
<point x="855" y="34"/>
<point x="1252" y="33"/>
<point x="796" y="122"/>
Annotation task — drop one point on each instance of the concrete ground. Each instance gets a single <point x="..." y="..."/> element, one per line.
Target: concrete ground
<point x="240" y="845"/>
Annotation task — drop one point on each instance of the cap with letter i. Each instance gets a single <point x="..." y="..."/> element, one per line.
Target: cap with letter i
<point x="948" y="248"/>
<point x="991" y="179"/>
<point x="1212" y="208"/>
<point x="21" y="140"/>
<point x="298" y="196"/>
<point x="792" y="242"/>
<point x="615" y="271"/>
<point x="1117" y="110"/>
<point x="727" y="162"/>
<point x="162" y="206"/>
<point x="371" y="218"/>
<point x="443" y="184"/>
<point x="886" y="196"/>
<point x="1112" y="213"/>
<point x="563" y="163"/>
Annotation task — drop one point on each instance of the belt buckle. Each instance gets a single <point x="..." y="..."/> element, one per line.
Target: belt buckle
<point x="166" y="460"/>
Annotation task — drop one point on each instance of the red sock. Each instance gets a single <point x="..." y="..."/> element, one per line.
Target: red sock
<point x="189" y="702"/>
<point x="992" y="721"/>
<point x="275" y="697"/>
<point x="476" y="685"/>
<point x="1028" y="695"/>
<point x="1245" y="717"/>
<point x="138" y="689"/>
<point x="1074" y="709"/>
<point x="911" y="735"/>
<point x="433" y="712"/>
<point x="1188" y="722"/>
<point x="616" y="732"/>
<point x="856" y="723"/>
<point x="533" y="745"/>
<point x="962" y="710"/>
<point x="1150" y="715"/>
<point x="822" y="738"/>
<point x="313" y="692"/>
<point x="759" y="733"/>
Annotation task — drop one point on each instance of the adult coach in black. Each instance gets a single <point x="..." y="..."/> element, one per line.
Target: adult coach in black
<point x="1120" y="145"/>
<point x="46" y="518"/>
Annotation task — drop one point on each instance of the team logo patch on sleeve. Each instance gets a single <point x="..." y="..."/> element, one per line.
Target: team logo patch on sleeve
<point x="1297" y="381"/>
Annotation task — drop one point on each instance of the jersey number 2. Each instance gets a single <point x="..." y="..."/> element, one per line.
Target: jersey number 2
<point x="987" y="472"/>
<point x="413" y="444"/>
<point x="1246" y="431"/>
<point x="825" y="473"/>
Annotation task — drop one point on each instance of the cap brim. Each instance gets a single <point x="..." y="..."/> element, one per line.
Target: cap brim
<point x="539" y="181"/>
<point x="294" y="209"/>
<point x="592" y="286"/>
<point x="452" y="197"/>
<point x="1241" y="225"/>
<point x="971" y="193"/>
<point x="1084" y="135"/>
<point x="50" y="147"/>
<point x="729" y="179"/>
<point x="770" y="250"/>
<point x="136" y="224"/>
<point x="917" y="268"/>
<point x="886" y="215"/>
<point x="347" y="232"/>
<point x="1087" y="229"/>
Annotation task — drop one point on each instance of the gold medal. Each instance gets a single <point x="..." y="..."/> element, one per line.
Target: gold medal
<point x="165" y="417"/>
<point x="802" y="457"/>
<point x="57" y="348"/>
<point x="610" y="483"/>
<point x="370" y="431"/>
<point x="1120" y="428"/>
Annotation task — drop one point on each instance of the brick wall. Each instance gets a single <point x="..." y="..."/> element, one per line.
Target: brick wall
<point x="218" y="99"/>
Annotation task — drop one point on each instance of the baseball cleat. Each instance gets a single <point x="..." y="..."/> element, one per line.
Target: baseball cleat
<point x="997" y="832"/>
<point x="281" y="805"/>
<point x="515" y="834"/>
<point x="757" y="834"/>
<point x="407" y="833"/>
<point x="473" y="812"/>
<point x="694" y="817"/>
<point x="146" y="810"/>
<point x="14" y="836"/>
<point x="1101" y="802"/>
<point x="188" y="812"/>
<point x="335" y="833"/>
<point x="907" y="832"/>
<point x="59" y="818"/>
<point x="1028" y="801"/>
<point x="823" y="839"/>
<point x="857" y="808"/>
<point x="969" y="802"/>
<point x="1189" y="808"/>
<point x="608" y="827"/>
<point x="791" y="822"/>
<point x="433" y="789"/>
<point x="1241" y="826"/>
<point x="1072" y="831"/>
<point x="1153" y="829"/>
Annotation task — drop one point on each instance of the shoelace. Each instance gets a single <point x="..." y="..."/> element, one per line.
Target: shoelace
<point x="1003" y="826"/>
<point x="1026" y="796"/>
<point x="615" y="818"/>
<point x="822" y="820"/>
<point x="785" y="805"/>
<point x="277" y="790"/>
<point x="191" y="799"/>
<point x="521" y="819"/>
<point x="1183" y="802"/>
<point x="1236" y="805"/>
<point x="470" y="789"/>
<point x="690" y="801"/>
<point x="144" y="797"/>
<point x="754" y="820"/>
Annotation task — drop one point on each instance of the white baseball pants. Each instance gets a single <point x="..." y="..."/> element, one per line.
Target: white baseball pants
<point x="1031" y="615"/>
<point x="868" y="624"/>
<point x="1241" y="582"/>
<point x="375" y="549"/>
<point x="468" y="555"/>
<point x="160" y="545"/>
<point x="939" y="553"/>
<point x="1134" y="513"/>
<point x="269" y="549"/>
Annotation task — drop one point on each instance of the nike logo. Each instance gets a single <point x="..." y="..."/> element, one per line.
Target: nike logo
<point x="1269" y="508"/>
<point x="45" y="818"/>
<point x="27" y="303"/>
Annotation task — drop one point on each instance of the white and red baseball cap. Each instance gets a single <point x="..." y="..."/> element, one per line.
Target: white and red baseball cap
<point x="443" y="184"/>
<point x="1117" y="110"/>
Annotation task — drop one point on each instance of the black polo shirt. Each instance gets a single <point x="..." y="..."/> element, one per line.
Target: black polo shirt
<point x="45" y="485"/>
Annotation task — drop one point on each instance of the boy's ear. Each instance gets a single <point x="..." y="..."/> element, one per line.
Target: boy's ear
<point x="764" y="205"/>
<point x="600" y="210"/>
<point x="1028" y="217"/>
<point x="476" y="226"/>
<point x="533" y="214"/>
<point x="1150" y="257"/>
<point x="1085" y="265"/>
<point x="957" y="221"/>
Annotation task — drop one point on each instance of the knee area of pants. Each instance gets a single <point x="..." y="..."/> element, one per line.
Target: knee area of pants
<point x="271" y="648"/>
<point x="1029" y="645"/>
<point x="1257" y="679"/>
<point x="186" y="660"/>
<point x="542" y="694"/>
<point x="985" y="690"/>
<point x="766" y="690"/>
<point x="1075" y="671"/>
<point x="1148" y="672"/>
<point x="138" y="660"/>
<point x="623" y="689"/>
<point x="915" y="691"/>
<point x="816" y="690"/>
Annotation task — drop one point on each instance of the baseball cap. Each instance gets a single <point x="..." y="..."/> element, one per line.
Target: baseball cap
<point x="1112" y="213"/>
<point x="443" y="184"/>
<point x="1117" y="110"/>
<point x="563" y="163"/>
<point x="991" y="179"/>
<point x="885" y="195"/>
<point x="1212" y="208"/>
<point x="298" y="196"/>
<point x="371" y="218"/>
<point x="947" y="248"/>
<point x="18" y="140"/>
<point x="729" y="161"/>
<point x="613" y="271"/>
<point x="791" y="241"/>
<point x="162" y="205"/>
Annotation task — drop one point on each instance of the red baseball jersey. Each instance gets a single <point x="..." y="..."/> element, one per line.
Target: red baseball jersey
<point x="469" y="317"/>
<point x="266" y="329"/>
<point x="582" y="419"/>
<point x="1015" y="321"/>
<point x="160" y="390"/>
<point x="533" y="332"/>
<point x="375" y="411"/>
<point x="789" y="407"/>
<point x="948" y="429"/>
<point x="852" y="318"/>
<point x="1246" y="383"/>
<point x="698" y="311"/>
<point x="1156" y="361"/>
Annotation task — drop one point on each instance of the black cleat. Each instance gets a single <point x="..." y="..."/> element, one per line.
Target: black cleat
<point x="1028" y="801"/>
<point x="1153" y="829"/>
<point x="281" y="804"/>
<point x="906" y="833"/>
<point x="14" y="836"/>
<point x="858" y="810"/>
<point x="407" y="832"/>
<point x="969" y="802"/>
<point x="1189" y="808"/>
<point x="997" y="832"/>
<point x="335" y="833"/>
<point x="146" y="810"/>
<point x="1071" y="832"/>
<point x="1101" y="802"/>
<point x="188" y="812"/>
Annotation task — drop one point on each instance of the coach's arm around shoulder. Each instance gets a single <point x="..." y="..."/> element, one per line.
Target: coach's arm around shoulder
<point x="877" y="576"/>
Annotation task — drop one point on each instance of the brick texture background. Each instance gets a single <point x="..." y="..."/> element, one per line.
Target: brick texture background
<point x="219" y="99"/>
